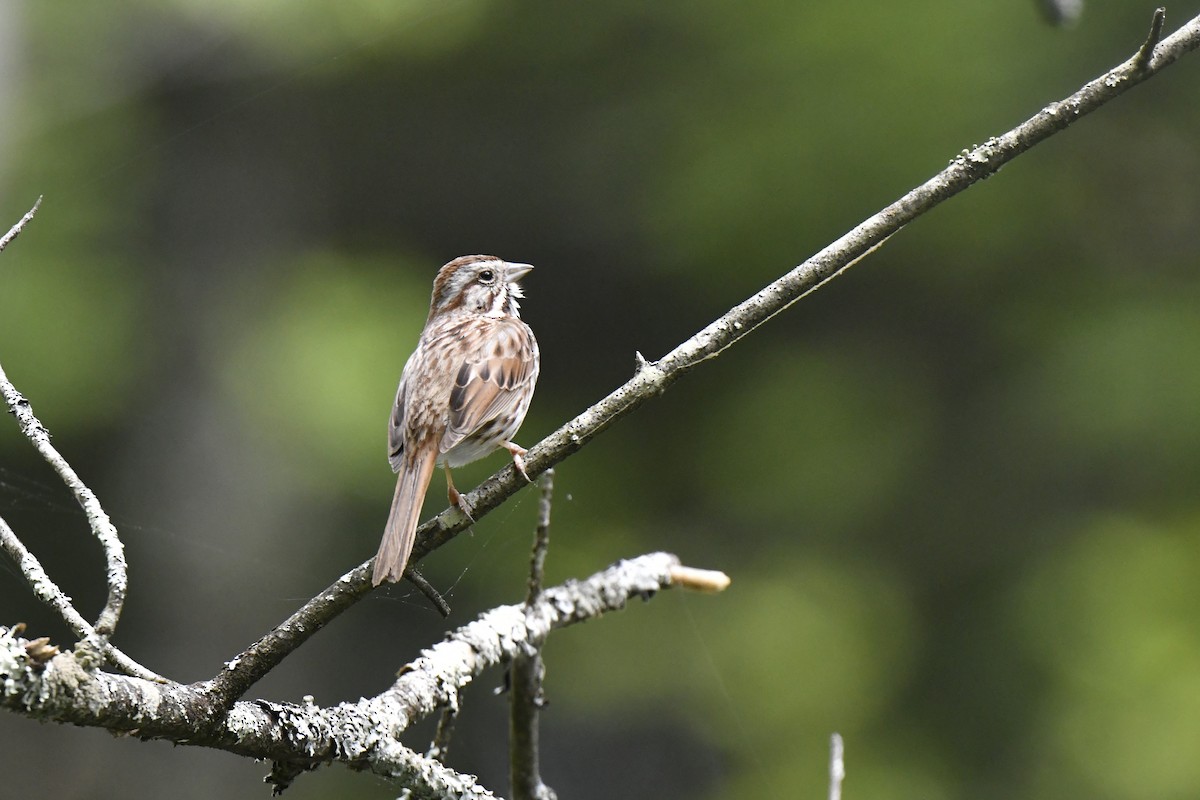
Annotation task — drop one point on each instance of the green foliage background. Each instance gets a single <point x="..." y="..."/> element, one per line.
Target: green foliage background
<point x="955" y="489"/>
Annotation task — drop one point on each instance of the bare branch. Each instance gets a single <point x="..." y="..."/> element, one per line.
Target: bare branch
<point x="653" y="378"/>
<point x="541" y="543"/>
<point x="426" y="588"/>
<point x="526" y="702"/>
<point x="245" y="669"/>
<point x="527" y="672"/>
<point x="837" y="767"/>
<point x="15" y="230"/>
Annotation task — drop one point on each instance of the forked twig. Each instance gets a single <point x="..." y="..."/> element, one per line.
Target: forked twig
<point x="102" y="527"/>
<point x="48" y="592"/>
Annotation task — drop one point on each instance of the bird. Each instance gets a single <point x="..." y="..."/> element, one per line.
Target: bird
<point x="463" y="393"/>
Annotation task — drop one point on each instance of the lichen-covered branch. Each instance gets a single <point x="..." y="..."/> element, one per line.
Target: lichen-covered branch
<point x="363" y="735"/>
<point x="495" y="637"/>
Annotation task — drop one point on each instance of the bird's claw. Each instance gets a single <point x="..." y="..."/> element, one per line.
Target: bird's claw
<point x="460" y="502"/>
<point x="518" y="453"/>
<point x="519" y="464"/>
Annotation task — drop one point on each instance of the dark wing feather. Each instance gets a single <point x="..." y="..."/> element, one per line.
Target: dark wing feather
<point x="489" y="381"/>
<point x="396" y="426"/>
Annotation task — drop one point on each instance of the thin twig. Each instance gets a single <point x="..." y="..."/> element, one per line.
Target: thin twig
<point x="435" y="597"/>
<point x="541" y="541"/>
<point x="652" y="378"/>
<point x="526" y="702"/>
<point x="15" y="230"/>
<point x="1146" y="51"/>
<point x="439" y="748"/>
<point x="98" y="521"/>
<point x="837" y="767"/>
<point x="528" y="672"/>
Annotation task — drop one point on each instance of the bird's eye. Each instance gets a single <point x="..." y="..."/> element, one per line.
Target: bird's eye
<point x="487" y="276"/>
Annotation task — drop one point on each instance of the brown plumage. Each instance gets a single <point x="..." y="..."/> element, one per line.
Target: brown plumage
<point x="463" y="393"/>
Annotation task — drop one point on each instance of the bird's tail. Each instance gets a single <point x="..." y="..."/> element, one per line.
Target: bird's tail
<point x="401" y="527"/>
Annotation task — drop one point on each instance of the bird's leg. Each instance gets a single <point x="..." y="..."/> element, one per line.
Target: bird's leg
<point x="518" y="462"/>
<point x="456" y="499"/>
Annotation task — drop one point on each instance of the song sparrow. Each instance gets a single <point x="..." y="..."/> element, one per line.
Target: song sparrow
<point x="463" y="393"/>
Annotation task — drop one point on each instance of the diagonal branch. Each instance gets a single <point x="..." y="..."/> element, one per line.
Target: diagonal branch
<point x="15" y="230"/>
<point x="653" y="378"/>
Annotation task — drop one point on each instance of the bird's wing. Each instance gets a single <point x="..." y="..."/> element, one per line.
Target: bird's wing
<point x="490" y="382"/>
<point x="396" y="422"/>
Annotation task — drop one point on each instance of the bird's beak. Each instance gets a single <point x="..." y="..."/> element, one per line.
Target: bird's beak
<point x="514" y="272"/>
